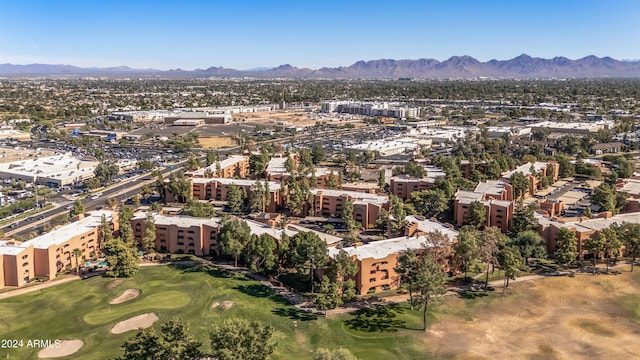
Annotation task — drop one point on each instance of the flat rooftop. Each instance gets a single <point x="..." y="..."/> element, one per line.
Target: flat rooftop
<point x="276" y="166"/>
<point x="258" y="229"/>
<point x="355" y="195"/>
<point x="61" y="235"/>
<point x="240" y="182"/>
<point x="493" y="187"/>
<point x="428" y="225"/>
<point x="525" y="169"/>
<point x="178" y="220"/>
<point x="230" y="161"/>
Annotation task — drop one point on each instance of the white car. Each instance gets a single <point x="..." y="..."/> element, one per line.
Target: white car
<point x="94" y="197"/>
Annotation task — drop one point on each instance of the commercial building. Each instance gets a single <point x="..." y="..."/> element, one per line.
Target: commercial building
<point x="377" y="260"/>
<point x="233" y="166"/>
<point x="366" y="207"/>
<point x="54" y="171"/>
<point x="395" y="110"/>
<point x="11" y="135"/>
<point x="583" y="128"/>
<point x="197" y="118"/>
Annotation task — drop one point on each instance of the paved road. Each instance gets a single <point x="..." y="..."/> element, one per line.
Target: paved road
<point x="120" y="191"/>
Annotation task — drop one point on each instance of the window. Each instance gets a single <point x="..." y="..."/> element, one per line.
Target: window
<point x="372" y="272"/>
<point x="372" y="280"/>
<point x="25" y="263"/>
<point x="24" y="256"/>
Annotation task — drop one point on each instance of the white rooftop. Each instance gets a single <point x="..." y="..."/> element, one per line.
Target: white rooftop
<point x="62" y="166"/>
<point x="59" y="236"/>
<point x="591" y="224"/>
<point x="7" y="248"/>
<point x="240" y="182"/>
<point x="328" y="239"/>
<point x="428" y="225"/>
<point x="258" y="229"/>
<point x="358" y="197"/>
<point x="276" y="166"/>
<point x="231" y="160"/>
<point x="178" y="220"/>
<point x="525" y="169"/>
<point x="493" y="187"/>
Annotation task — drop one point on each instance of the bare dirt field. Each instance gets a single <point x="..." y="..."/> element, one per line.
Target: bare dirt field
<point x="66" y="348"/>
<point x="214" y="142"/>
<point x="586" y="317"/>
<point x="291" y="117"/>
<point x="137" y="322"/>
<point x="127" y="295"/>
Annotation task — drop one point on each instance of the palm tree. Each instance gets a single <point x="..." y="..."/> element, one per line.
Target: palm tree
<point x="77" y="253"/>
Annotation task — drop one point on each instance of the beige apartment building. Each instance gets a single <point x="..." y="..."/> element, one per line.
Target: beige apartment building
<point x="366" y="207"/>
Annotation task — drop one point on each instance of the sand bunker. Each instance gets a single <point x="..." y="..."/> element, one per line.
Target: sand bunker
<point x="126" y="296"/>
<point x="66" y="348"/>
<point x="114" y="283"/>
<point x="225" y="305"/>
<point x="135" y="323"/>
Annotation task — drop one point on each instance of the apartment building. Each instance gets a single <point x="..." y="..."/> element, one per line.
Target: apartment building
<point x="329" y="202"/>
<point x="497" y="198"/>
<point x="377" y="260"/>
<point x="48" y="254"/>
<point x="218" y="189"/>
<point x="16" y="263"/>
<point x="533" y="172"/>
<point x="276" y="171"/>
<point x="235" y="166"/>
<point x="179" y="234"/>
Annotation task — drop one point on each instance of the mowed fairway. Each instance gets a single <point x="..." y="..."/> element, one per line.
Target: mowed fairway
<point x="552" y="318"/>
<point x="81" y="310"/>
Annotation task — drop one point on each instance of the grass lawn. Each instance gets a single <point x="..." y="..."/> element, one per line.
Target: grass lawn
<point x="81" y="310"/>
<point x="545" y="318"/>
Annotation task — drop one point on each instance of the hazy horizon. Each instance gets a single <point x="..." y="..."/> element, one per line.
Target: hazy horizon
<point x="246" y="34"/>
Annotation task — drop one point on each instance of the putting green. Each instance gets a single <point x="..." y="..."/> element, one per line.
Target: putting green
<point x="170" y="299"/>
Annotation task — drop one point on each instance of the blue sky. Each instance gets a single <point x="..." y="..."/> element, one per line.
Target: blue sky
<point x="239" y="34"/>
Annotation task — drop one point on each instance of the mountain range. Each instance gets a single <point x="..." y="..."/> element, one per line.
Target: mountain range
<point x="456" y="67"/>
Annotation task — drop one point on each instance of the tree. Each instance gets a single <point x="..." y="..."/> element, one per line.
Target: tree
<point x="466" y="248"/>
<point x="341" y="269"/>
<point x="261" y="253"/>
<point x="523" y="219"/>
<point x="335" y="354"/>
<point x="399" y="215"/>
<point x="429" y="281"/>
<point x="235" y="198"/>
<point x="406" y="268"/>
<point x="530" y="244"/>
<point x="211" y="157"/>
<point x="179" y="186"/>
<point x="105" y="172"/>
<point x="477" y="214"/>
<point x="256" y="200"/>
<point x="331" y="180"/>
<point x="121" y="257"/>
<point x="613" y="244"/>
<point x="146" y="191"/>
<point x="126" y="231"/>
<point x="76" y="254"/>
<point x="242" y="340"/>
<point x="382" y="180"/>
<point x="566" y="246"/>
<point x="630" y="235"/>
<point x="439" y="247"/>
<point x="510" y="261"/>
<point x="309" y="253"/>
<point x="173" y="342"/>
<point x="382" y="222"/>
<point x="491" y="239"/>
<point x="199" y="209"/>
<point x="317" y="154"/>
<point x="328" y="296"/>
<point x="596" y="245"/>
<point x="77" y="209"/>
<point x="232" y="238"/>
<point x="192" y="163"/>
<point x="349" y="222"/>
<point x="520" y="185"/>
<point x="149" y="238"/>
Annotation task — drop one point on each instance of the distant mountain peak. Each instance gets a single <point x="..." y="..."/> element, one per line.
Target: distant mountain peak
<point x="464" y="66"/>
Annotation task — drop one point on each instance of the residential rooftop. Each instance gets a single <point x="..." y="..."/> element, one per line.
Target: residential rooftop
<point x="240" y="182"/>
<point x="61" y="235"/>
<point x="230" y="161"/>
<point x="178" y="220"/>
<point x="358" y="197"/>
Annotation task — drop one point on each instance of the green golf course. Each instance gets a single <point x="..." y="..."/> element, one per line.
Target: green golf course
<point x="202" y="296"/>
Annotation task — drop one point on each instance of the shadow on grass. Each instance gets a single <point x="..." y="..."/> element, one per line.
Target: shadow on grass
<point x="377" y="319"/>
<point x="261" y="291"/>
<point x="473" y="294"/>
<point x="208" y="269"/>
<point x="295" y="314"/>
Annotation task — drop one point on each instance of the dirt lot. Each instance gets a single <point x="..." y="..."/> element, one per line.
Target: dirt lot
<point x="291" y="117"/>
<point x="585" y="317"/>
<point x="214" y="142"/>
